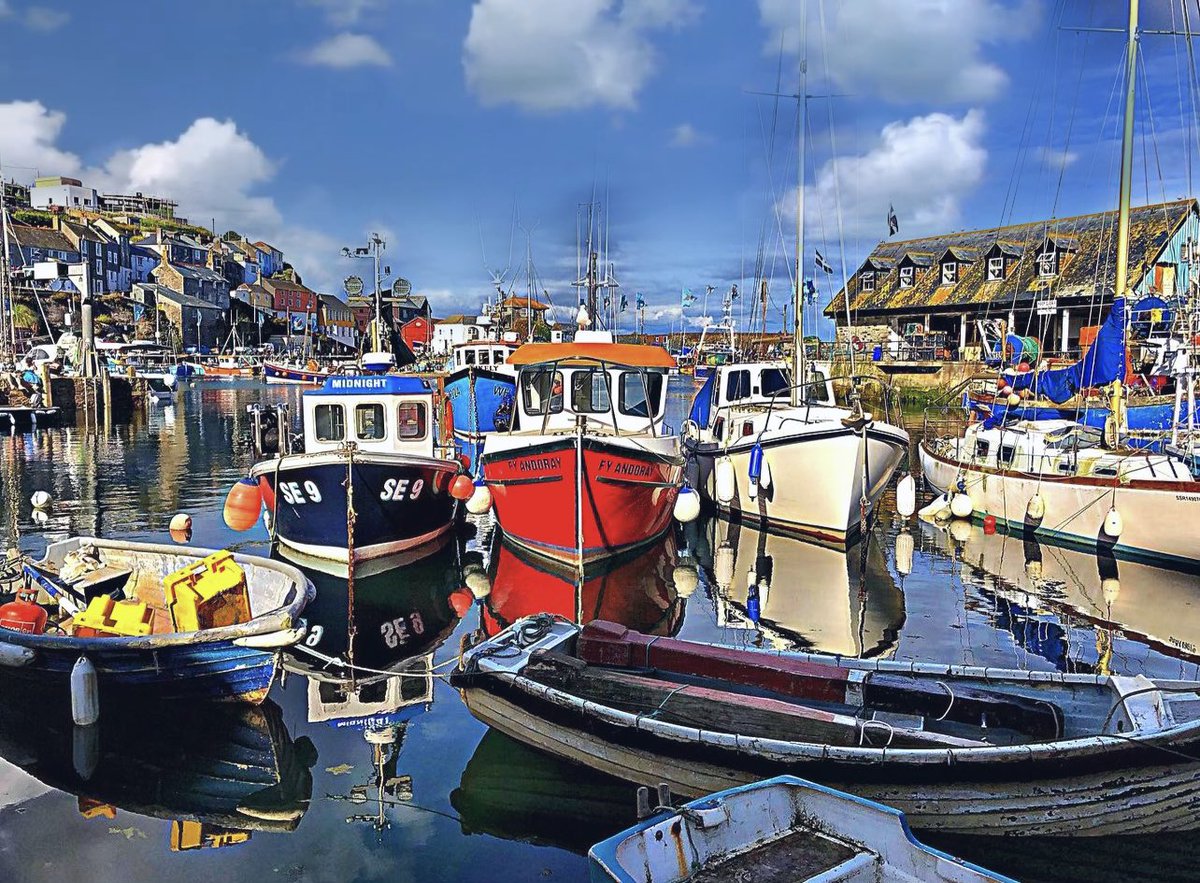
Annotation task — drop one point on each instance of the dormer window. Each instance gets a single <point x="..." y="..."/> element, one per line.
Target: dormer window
<point x="1047" y="264"/>
<point x="949" y="272"/>
<point x="995" y="269"/>
<point x="866" y="280"/>
<point x="906" y="276"/>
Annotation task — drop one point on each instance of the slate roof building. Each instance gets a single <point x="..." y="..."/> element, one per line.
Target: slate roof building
<point x="1046" y="278"/>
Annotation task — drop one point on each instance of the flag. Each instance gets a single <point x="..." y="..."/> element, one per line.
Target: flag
<point x="687" y="298"/>
<point x="733" y="294"/>
<point x="607" y="301"/>
<point x="641" y="301"/>
<point x="823" y="264"/>
<point x="624" y="303"/>
<point x="810" y="291"/>
<point x="893" y="222"/>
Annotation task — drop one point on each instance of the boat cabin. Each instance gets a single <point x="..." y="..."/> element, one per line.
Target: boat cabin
<point x="618" y="386"/>
<point x="481" y="353"/>
<point x="379" y="414"/>
<point x="756" y="386"/>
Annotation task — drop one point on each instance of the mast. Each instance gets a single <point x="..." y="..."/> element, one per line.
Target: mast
<point x="6" y="299"/>
<point x="798" y="361"/>
<point x="1127" y="154"/>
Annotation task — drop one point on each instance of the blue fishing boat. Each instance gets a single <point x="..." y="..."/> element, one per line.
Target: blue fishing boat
<point x="225" y="662"/>
<point x="779" y="829"/>
<point x="480" y="391"/>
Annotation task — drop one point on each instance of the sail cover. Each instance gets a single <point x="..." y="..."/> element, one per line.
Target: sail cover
<point x="1103" y="363"/>
<point x="702" y="403"/>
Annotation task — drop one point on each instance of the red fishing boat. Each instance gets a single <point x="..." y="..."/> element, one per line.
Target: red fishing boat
<point x="592" y="471"/>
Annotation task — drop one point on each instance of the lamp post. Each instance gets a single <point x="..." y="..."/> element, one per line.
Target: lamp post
<point x="371" y="252"/>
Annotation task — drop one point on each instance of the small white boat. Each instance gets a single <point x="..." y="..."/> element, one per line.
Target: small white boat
<point x="157" y="391"/>
<point x="781" y="829"/>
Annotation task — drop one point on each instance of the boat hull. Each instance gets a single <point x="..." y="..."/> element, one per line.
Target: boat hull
<point x="1046" y="799"/>
<point x="627" y="493"/>
<point x="286" y="374"/>
<point x="402" y="504"/>
<point x="480" y="401"/>
<point x="817" y="477"/>
<point x="1159" y="516"/>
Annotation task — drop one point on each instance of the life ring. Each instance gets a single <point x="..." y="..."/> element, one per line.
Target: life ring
<point x="858" y="343"/>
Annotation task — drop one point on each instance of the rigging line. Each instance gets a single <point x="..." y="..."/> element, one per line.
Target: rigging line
<point x="1193" y="82"/>
<point x="1179" y="77"/>
<point x="1162" y="182"/>
<point x="1062" y="169"/>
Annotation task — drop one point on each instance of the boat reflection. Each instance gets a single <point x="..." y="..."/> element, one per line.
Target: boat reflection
<point x="644" y="591"/>
<point x="219" y="774"/>
<point x="797" y="595"/>
<point x="1043" y="594"/>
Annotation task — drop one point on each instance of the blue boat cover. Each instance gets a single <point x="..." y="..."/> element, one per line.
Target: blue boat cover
<point x="368" y="384"/>
<point x="1104" y="363"/>
<point x="702" y="403"/>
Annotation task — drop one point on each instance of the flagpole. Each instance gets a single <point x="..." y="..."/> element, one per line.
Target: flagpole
<point x="798" y="360"/>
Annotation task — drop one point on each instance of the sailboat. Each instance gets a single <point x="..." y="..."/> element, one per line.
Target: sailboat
<point x="1072" y="483"/>
<point x="718" y="341"/>
<point x="771" y="444"/>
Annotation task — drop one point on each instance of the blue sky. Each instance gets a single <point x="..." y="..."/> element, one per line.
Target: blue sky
<point x="310" y="123"/>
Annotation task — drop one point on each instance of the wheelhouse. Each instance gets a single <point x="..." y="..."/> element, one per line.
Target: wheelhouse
<point x="622" y="387"/>
<point x="481" y="354"/>
<point x="378" y="414"/>
<point x="756" y="386"/>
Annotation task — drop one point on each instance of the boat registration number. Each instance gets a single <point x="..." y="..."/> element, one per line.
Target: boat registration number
<point x="402" y="489"/>
<point x="298" y="494"/>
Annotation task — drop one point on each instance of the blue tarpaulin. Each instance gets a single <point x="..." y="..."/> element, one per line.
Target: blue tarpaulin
<point x="702" y="403"/>
<point x="1104" y="363"/>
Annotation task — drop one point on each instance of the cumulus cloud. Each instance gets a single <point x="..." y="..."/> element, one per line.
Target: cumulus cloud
<point x="1058" y="159"/>
<point x="924" y="166"/>
<point x="347" y="50"/>
<point x="41" y="18"/>
<point x="686" y="135"/>
<point x="922" y="50"/>
<point x="212" y="169"/>
<point x="548" y="55"/>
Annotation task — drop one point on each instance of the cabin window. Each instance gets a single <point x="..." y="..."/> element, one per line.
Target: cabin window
<point x="498" y="357"/>
<point x="949" y="273"/>
<point x="995" y="270"/>
<point x="1047" y="263"/>
<point x="866" y="280"/>
<point x="485" y="357"/>
<point x="775" y="381"/>
<point x="818" y="388"/>
<point x="981" y="449"/>
<point x="331" y="423"/>
<point x="469" y="357"/>
<point x="737" y="385"/>
<point x="633" y="393"/>
<point x="906" y="277"/>
<point x="542" y="391"/>
<point x="1005" y="454"/>
<point x="589" y="392"/>
<point x="368" y="422"/>
<point x="410" y="420"/>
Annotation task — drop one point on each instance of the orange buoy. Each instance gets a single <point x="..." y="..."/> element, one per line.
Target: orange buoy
<point x="461" y="601"/>
<point x="462" y="487"/>
<point x="989" y="524"/>
<point x="243" y="504"/>
<point x="267" y="492"/>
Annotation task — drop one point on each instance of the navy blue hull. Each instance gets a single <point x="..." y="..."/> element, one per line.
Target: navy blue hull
<point x="487" y="408"/>
<point x="401" y="503"/>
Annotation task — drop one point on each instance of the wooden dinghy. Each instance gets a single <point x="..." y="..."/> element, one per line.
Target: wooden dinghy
<point x="962" y="749"/>
<point x="782" y="830"/>
<point x="235" y="658"/>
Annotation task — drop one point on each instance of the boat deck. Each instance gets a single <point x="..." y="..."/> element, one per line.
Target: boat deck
<point x="798" y="855"/>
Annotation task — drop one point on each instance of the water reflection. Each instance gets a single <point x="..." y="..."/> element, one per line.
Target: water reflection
<point x="218" y="774"/>
<point x="792" y="594"/>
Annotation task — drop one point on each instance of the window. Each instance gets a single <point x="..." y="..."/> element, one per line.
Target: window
<point x="818" y="388"/>
<point x="410" y="420"/>
<point x="99" y="265"/>
<point x="775" y="380"/>
<point x="866" y="280"/>
<point x="498" y="357"/>
<point x="633" y="393"/>
<point x="331" y="422"/>
<point x="589" y="392"/>
<point x="1006" y="454"/>
<point x="949" y="273"/>
<point x="906" y="277"/>
<point x="368" y="422"/>
<point x="995" y="270"/>
<point x="485" y="357"/>
<point x="737" y="385"/>
<point x="542" y="391"/>
<point x="1047" y="263"/>
<point x="982" y="446"/>
<point x="469" y="356"/>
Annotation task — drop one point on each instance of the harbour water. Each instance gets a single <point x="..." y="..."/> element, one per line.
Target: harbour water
<point x="389" y="778"/>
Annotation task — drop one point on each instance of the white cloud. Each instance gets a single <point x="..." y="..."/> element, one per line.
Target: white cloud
<point x="346" y="50"/>
<point x="1058" y="159"/>
<point x="41" y="18"/>
<point x="28" y="132"/>
<point x="5" y="9"/>
<point x="921" y="50"/>
<point x="547" y="55"/>
<point x="924" y="166"/>
<point x="343" y="13"/>
<point x="686" y="135"/>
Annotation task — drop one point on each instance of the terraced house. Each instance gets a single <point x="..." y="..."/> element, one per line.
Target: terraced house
<point x="928" y="299"/>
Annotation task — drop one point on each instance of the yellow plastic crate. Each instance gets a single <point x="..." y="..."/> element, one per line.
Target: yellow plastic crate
<point x="207" y="595"/>
<point x="105" y="617"/>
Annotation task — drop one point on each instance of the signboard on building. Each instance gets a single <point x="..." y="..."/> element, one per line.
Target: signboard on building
<point x="1047" y="307"/>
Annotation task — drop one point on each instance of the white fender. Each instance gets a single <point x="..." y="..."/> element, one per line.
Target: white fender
<point x="961" y="506"/>
<point x="939" y="504"/>
<point x="687" y="505"/>
<point x="1035" y="510"/>
<point x="906" y="496"/>
<point x="726" y="482"/>
<point x="480" y="500"/>
<point x="904" y="553"/>
<point x="1113" y="523"/>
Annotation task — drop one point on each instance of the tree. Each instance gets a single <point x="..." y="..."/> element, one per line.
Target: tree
<point x="232" y="236"/>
